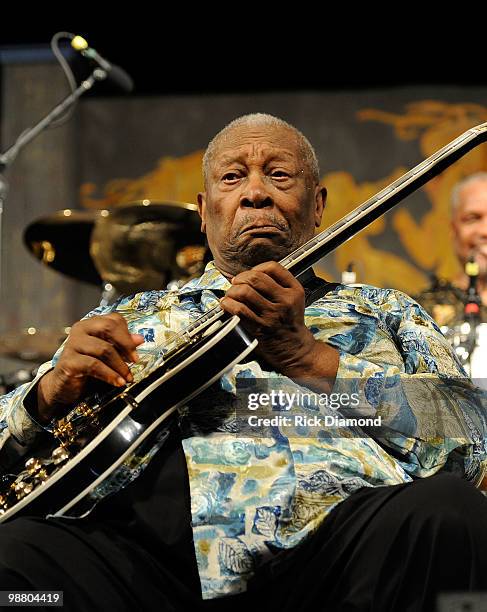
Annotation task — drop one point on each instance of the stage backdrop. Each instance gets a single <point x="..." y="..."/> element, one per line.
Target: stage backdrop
<point x="118" y="150"/>
<point x="152" y="148"/>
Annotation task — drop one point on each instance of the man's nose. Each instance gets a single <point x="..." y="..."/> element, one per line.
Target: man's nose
<point x="256" y="192"/>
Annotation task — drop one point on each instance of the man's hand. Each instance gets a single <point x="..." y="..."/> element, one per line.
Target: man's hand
<point x="99" y="348"/>
<point x="270" y="303"/>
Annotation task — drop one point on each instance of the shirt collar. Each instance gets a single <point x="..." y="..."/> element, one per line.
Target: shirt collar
<point x="211" y="278"/>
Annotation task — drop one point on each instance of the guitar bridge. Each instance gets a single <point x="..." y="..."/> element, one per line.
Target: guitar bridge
<point x="129" y="400"/>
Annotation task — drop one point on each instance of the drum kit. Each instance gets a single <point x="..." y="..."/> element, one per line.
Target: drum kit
<point x="132" y="247"/>
<point x="468" y="333"/>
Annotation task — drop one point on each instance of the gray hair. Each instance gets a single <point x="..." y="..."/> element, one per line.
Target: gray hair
<point x="455" y="194"/>
<point x="263" y="120"/>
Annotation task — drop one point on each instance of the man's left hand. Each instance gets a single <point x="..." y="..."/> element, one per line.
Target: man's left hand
<point x="270" y="303"/>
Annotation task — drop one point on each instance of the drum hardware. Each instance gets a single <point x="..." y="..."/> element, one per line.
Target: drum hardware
<point x="470" y="346"/>
<point x="460" y="337"/>
<point x="145" y="245"/>
<point x="9" y="382"/>
<point x="349" y="277"/>
<point x="472" y="303"/>
<point x="61" y="241"/>
<point x="466" y="337"/>
<point x="32" y="344"/>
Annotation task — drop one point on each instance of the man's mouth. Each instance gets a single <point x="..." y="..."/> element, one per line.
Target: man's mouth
<point x="261" y="230"/>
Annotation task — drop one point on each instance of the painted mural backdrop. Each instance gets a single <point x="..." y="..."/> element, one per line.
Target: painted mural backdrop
<point x="364" y="142"/>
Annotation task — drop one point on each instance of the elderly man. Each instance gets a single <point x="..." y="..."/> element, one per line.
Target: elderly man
<point x="212" y="517"/>
<point x="445" y="300"/>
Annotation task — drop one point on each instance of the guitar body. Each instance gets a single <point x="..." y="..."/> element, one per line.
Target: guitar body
<point x="96" y="440"/>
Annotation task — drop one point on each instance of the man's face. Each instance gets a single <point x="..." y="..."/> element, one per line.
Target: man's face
<point x="260" y="204"/>
<point x="469" y="224"/>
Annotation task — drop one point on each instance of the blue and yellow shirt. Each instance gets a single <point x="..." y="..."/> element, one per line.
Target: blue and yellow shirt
<point x="255" y="492"/>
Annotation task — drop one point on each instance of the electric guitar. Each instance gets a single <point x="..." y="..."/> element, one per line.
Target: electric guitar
<point x="100" y="432"/>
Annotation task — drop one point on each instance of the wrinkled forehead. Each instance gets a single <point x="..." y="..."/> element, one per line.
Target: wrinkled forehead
<point x="257" y="144"/>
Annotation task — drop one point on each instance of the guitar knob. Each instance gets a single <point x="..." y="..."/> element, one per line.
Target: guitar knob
<point x="59" y="455"/>
<point x="22" y="489"/>
<point x="42" y="475"/>
<point x="33" y="465"/>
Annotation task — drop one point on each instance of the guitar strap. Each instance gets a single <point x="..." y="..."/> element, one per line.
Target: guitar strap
<point x="315" y="288"/>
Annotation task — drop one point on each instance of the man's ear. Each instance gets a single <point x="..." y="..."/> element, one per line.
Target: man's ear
<point x="202" y="210"/>
<point x="320" y="203"/>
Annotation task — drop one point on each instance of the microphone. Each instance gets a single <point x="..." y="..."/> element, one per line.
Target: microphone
<point x="473" y="301"/>
<point x="471" y="309"/>
<point x="116" y="74"/>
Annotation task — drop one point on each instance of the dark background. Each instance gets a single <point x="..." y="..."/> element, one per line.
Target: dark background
<point x="175" y="50"/>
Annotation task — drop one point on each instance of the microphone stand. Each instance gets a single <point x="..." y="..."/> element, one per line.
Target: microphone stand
<point x="471" y="308"/>
<point x="7" y="158"/>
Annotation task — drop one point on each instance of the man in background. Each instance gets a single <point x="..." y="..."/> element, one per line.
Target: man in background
<point x="445" y="300"/>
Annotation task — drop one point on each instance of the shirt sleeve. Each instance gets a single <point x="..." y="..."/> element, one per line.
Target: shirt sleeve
<point x="432" y="416"/>
<point x="15" y="419"/>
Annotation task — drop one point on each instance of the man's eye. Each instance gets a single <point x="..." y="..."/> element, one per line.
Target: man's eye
<point x="279" y="174"/>
<point x="230" y="177"/>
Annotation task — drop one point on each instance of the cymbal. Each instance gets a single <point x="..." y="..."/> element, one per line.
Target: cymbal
<point x="62" y="242"/>
<point x="32" y="344"/>
<point x="135" y="246"/>
<point x="145" y="244"/>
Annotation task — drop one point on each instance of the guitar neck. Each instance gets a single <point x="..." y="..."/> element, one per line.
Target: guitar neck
<point x="324" y="243"/>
